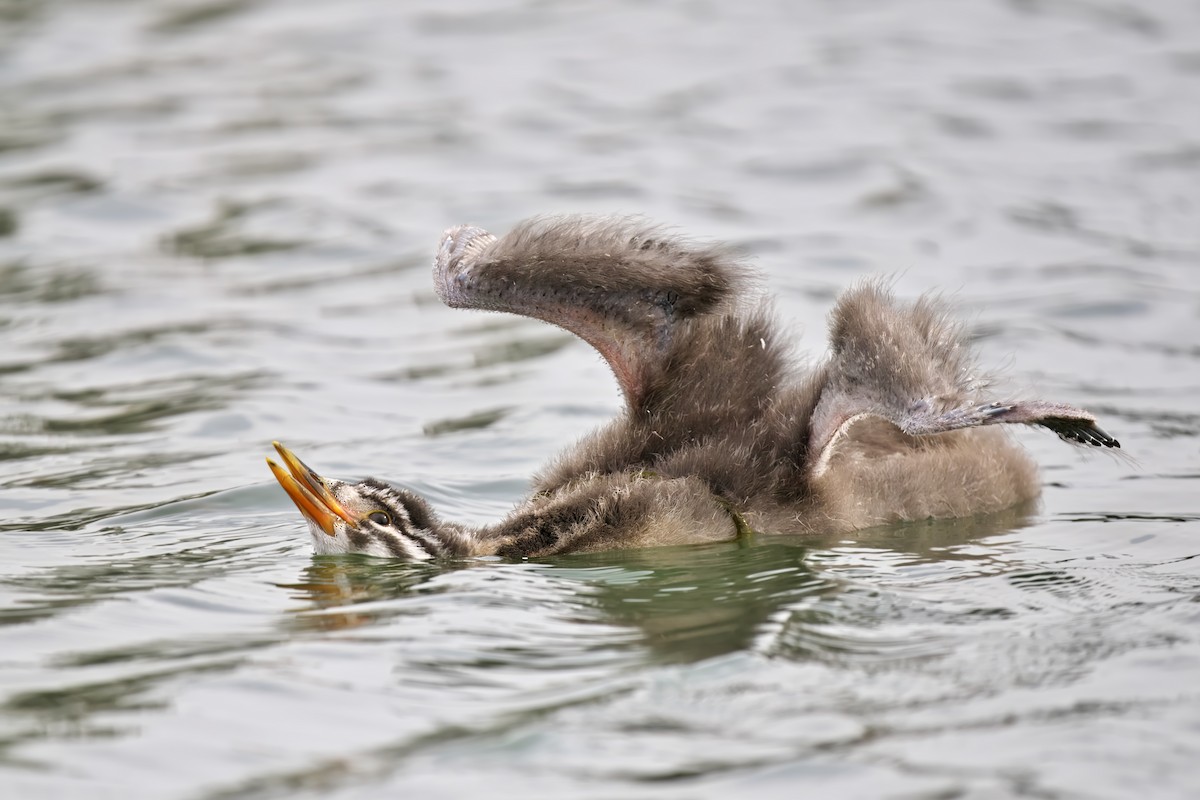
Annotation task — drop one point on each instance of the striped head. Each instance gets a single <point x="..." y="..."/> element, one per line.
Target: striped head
<point x="370" y="516"/>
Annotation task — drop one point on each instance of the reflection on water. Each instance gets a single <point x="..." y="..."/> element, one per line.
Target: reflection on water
<point x="216" y="220"/>
<point x="691" y="603"/>
<point x="333" y="588"/>
<point x="705" y="603"/>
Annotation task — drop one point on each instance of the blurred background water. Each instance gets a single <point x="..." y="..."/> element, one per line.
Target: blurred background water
<point x="216" y="224"/>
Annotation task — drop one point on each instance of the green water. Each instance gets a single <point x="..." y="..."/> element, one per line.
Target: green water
<point x="216" y="225"/>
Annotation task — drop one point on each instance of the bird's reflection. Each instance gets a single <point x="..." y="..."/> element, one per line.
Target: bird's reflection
<point x="936" y="540"/>
<point x="686" y="603"/>
<point x="693" y="603"/>
<point x="334" y="590"/>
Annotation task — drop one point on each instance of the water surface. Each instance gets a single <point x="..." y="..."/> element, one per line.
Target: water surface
<point x="216" y="223"/>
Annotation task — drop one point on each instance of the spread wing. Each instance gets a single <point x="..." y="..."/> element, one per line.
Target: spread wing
<point x="899" y="372"/>
<point x="620" y="285"/>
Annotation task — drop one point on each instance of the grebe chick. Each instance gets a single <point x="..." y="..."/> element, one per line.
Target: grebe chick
<point x="721" y="432"/>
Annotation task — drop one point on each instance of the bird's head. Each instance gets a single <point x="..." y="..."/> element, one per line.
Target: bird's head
<point x="368" y="516"/>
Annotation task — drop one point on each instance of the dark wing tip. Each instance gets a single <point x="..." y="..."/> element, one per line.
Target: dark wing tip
<point x="1081" y="431"/>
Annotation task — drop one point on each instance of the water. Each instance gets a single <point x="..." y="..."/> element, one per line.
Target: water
<point x="216" y="221"/>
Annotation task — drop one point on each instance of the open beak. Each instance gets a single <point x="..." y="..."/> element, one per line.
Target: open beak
<point x="308" y="491"/>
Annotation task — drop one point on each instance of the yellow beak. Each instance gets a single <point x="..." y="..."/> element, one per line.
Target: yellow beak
<point x="308" y="491"/>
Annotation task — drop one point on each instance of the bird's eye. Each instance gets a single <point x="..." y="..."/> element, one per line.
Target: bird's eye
<point x="379" y="518"/>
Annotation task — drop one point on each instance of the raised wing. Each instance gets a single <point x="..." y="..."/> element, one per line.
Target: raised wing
<point x="898" y="372"/>
<point x="619" y="285"/>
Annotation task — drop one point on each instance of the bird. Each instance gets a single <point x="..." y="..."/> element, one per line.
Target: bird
<point x="724" y="434"/>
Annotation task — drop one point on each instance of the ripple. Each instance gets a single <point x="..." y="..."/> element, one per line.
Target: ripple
<point x="44" y="283"/>
<point x="474" y="421"/>
<point x="509" y="350"/>
<point x="136" y="408"/>
<point x="1184" y="157"/>
<point x="49" y="182"/>
<point x="185" y="17"/>
<point x="1057" y="217"/>
<point x="222" y="238"/>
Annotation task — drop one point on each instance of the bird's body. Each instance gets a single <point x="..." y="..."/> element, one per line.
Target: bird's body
<point x="723" y="432"/>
